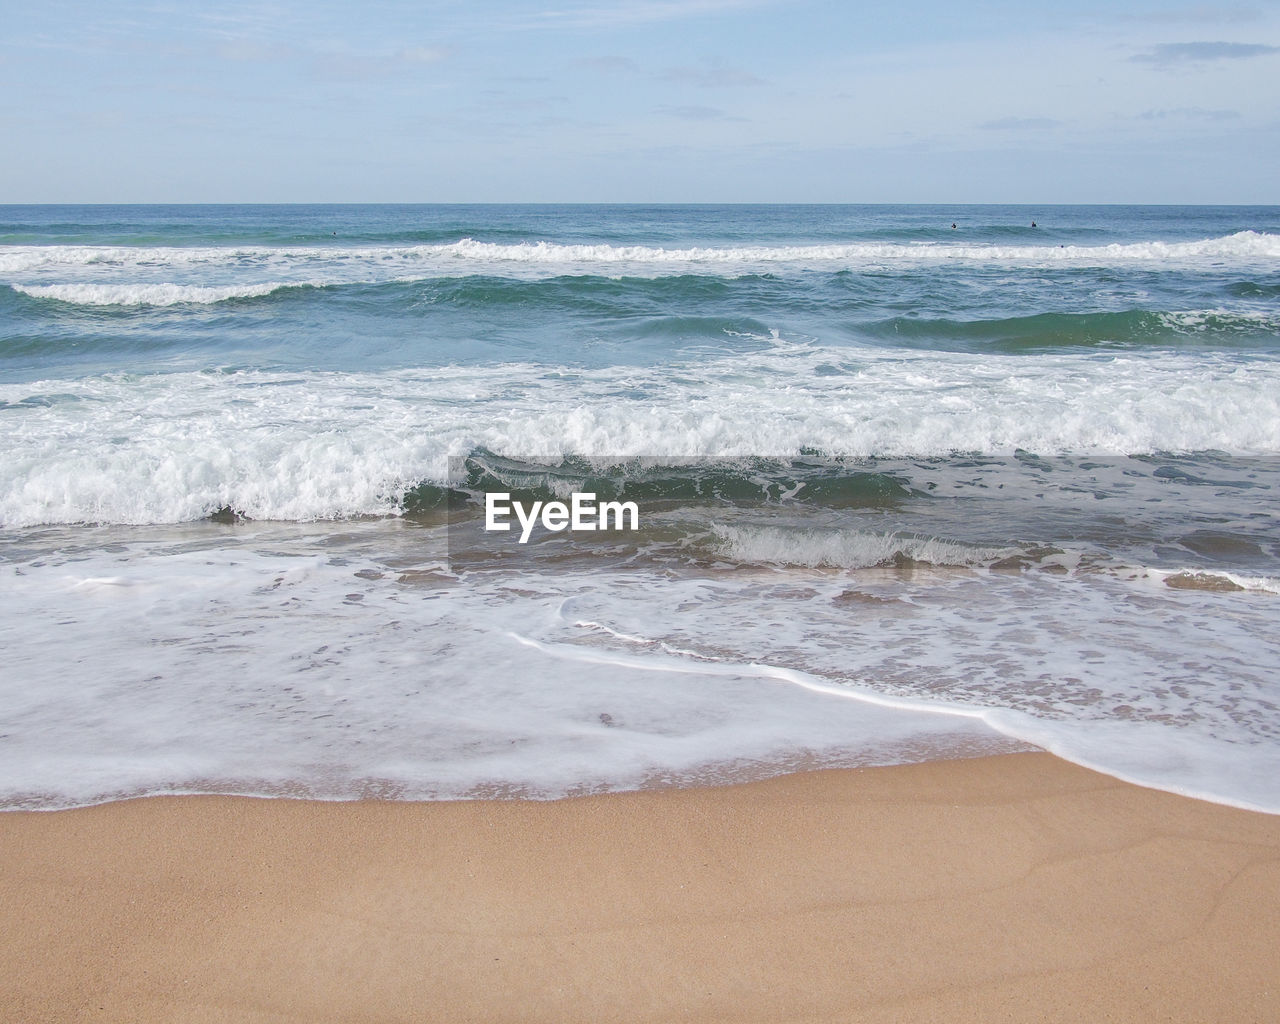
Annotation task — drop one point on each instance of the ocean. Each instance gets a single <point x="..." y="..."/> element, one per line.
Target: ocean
<point x="905" y="490"/>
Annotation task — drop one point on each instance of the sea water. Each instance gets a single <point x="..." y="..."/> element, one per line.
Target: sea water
<point x="907" y="491"/>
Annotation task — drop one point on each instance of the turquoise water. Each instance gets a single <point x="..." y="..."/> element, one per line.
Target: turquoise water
<point x="912" y="491"/>
<point x="382" y="288"/>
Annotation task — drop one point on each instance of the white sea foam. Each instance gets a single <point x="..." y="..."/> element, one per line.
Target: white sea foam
<point x="166" y="448"/>
<point x="847" y="549"/>
<point x="30" y="267"/>
<point x="1172" y="689"/>
<point x="1203" y="579"/>
<point x="165" y="294"/>
<point x="347" y="664"/>
<point x="343" y="659"/>
<point x="1198" y="319"/>
<point x="1244" y="244"/>
<point x="334" y="679"/>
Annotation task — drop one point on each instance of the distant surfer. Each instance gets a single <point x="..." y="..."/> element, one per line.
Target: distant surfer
<point x="953" y="225"/>
<point x="1033" y="223"/>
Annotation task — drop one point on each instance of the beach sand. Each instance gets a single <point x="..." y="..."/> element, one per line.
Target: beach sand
<point x="1017" y="888"/>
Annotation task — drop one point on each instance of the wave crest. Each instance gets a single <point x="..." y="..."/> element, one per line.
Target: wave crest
<point x="388" y="261"/>
<point x="165" y="294"/>
<point x="847" y="549"/>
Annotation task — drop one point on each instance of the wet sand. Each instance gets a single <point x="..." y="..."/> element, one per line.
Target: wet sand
<point x="1017" y="888"/>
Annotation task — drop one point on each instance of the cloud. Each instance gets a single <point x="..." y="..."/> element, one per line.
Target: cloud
<point x="1192" y="113"/>
<point x="696" y="113"/>
<point x="509" y="103"/>
<point x="253" y="51"/>
<point x="715" y="77"/>
<point x="1186" y="53"/>
<point x="609" y="64"/>
<point x="1020" y="124"/>
<point x="422" y="54"/>
<point x="1203" y="13"/>
<point x="346" y="62"/>
<point x="635" y="12"/>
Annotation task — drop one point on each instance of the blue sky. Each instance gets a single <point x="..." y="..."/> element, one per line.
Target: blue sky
<point x="639" y="101"/>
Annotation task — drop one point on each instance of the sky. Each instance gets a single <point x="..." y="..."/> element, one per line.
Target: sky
<point x="650" y="101"/>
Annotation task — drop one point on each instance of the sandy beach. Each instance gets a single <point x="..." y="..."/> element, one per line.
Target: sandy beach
<point x="1016" y="888"/>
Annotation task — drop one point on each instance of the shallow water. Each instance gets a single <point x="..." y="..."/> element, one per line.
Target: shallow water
<point x="905" y="492"/>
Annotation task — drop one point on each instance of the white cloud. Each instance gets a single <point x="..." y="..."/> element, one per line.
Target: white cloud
<point x="637" y="12"/>
<point x="715" y="77"/>
<point x="697" y="113"/>
<point x="423" y="54"/>
<point x="609" y="64"/>
<point x="1188" y="113"/>
<point x="1020" y="124"/>
<point x="1203" y="13"/>
<point x="1199" y="52"/>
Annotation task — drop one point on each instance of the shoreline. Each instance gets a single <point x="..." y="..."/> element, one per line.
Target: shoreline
<point x="1015" y="886"/>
